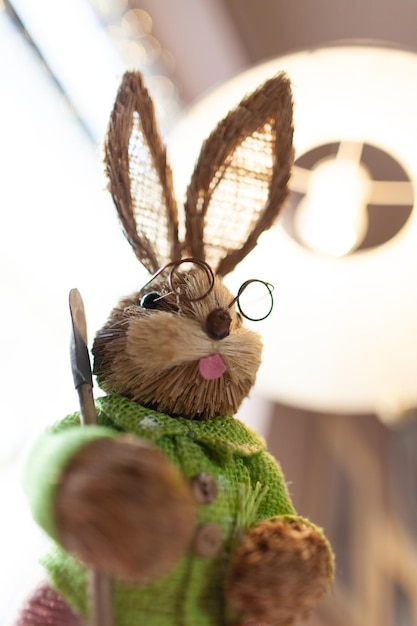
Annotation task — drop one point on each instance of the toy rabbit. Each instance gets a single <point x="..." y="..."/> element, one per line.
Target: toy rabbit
<point x="172" y="497"/>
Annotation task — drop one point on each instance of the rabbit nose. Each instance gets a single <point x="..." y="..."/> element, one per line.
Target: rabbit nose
<point x="218" y="323"/>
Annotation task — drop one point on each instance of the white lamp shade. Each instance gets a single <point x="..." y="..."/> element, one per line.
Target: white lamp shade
<point x="343" y="333"/>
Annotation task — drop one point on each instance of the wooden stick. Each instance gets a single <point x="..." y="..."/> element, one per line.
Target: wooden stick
<point x="100" y="587"/>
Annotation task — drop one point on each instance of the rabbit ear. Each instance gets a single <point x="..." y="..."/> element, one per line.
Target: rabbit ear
<point x="240" y="181"/>
<point x="140" y="180"/>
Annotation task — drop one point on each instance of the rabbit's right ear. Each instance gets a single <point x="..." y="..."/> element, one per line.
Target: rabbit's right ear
<point x="140" y="180"/>
<point x="240" y="181"/>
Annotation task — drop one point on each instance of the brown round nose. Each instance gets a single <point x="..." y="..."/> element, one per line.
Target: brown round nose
<point x="218" y="323"/>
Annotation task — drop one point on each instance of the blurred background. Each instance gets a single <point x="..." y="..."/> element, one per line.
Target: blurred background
<point x="336" y="397"/>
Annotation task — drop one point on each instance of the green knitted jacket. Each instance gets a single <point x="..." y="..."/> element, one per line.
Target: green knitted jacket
<point x="250" y="487"/>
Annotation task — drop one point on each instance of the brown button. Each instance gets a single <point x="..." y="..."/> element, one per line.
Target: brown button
<point x="204" y="488"/>
<point x="208" y="540"/>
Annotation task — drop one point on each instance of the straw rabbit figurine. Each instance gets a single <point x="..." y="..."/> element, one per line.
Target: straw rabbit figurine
<point x="171" y="496"/>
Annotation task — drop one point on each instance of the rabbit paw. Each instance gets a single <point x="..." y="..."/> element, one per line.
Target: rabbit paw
<point x="122" y="508"/>
<point x="281" y="569"/>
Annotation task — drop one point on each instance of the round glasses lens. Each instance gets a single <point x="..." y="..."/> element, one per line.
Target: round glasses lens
<point x="201" y="288"/>
<point x="255" y="300"/>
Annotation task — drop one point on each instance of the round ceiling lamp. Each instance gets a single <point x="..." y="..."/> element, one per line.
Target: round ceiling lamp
<point x="343" y="257"/>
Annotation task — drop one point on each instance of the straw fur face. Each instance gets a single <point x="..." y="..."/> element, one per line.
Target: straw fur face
<point x="154" y="356"/>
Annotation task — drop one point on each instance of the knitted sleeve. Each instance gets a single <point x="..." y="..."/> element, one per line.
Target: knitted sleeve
<point x="267" y="478"/>
<point x="48" y="458"/>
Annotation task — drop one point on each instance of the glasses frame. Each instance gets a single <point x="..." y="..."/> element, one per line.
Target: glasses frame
<point x="210" y="275"/>
<point x="242" y="288"/>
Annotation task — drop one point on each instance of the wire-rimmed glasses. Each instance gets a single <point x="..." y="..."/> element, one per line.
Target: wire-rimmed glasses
<point x="254" y="299"/>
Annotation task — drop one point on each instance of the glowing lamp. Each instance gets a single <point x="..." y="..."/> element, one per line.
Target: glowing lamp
<point x="343" y="333"/>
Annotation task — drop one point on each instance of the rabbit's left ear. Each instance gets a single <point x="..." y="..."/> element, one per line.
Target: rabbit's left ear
<point x="240" y="181"/>
<point x="140" y="179"/>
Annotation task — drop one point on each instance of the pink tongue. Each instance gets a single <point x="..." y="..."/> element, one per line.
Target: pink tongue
<point x="212" y="367"/>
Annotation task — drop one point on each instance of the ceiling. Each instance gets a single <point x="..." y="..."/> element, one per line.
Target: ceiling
<point x="212" y="40"/>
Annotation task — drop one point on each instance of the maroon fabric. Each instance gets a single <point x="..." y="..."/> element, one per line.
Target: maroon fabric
<point x="47" y="608"/>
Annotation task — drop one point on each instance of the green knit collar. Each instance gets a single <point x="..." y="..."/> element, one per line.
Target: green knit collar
<point x="223" y="434"/>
